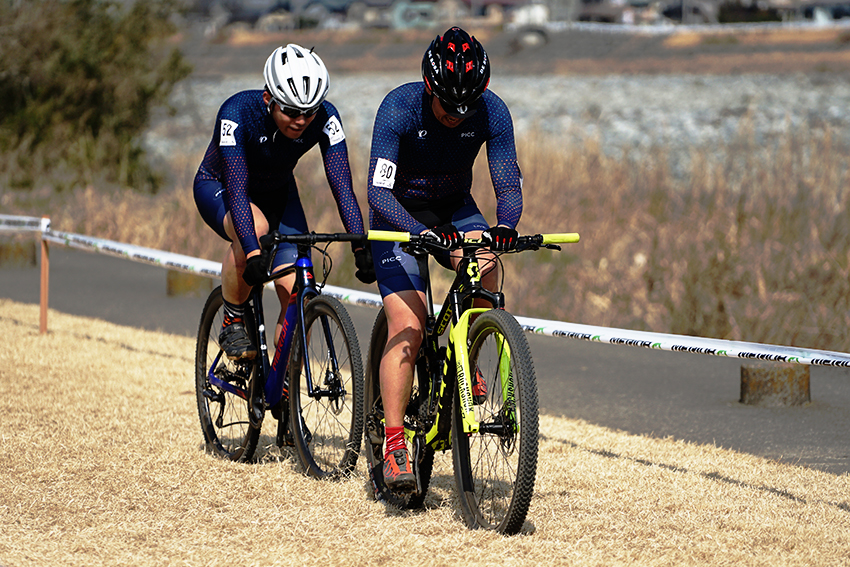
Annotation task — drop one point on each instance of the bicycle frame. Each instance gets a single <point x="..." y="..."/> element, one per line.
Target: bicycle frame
<point x="455" y="316"/>
<point x="275" y="386"/>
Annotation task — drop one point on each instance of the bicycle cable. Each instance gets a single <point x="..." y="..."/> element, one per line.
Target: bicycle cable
<point x="327" y="263"/>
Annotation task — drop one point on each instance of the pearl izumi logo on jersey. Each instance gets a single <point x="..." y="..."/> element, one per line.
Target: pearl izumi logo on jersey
<point x="227" y="135"/>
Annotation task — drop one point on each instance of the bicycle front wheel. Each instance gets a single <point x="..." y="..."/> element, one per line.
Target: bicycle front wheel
<point x="327" y="422"/>
<point x="495" y="468"/>
<point x="222" y="390"/>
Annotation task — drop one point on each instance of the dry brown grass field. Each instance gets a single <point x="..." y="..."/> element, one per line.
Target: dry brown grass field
<point x="103" y="464"/>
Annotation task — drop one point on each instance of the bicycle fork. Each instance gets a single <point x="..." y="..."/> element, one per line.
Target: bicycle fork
<point x="459" y="351"/>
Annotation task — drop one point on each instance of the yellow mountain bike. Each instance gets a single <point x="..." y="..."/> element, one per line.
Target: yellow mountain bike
<point x="477" y="395"/>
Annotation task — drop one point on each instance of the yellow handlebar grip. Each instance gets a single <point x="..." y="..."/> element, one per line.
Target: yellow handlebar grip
<point x="388" y="236"/>
<point x="565" y="237"/>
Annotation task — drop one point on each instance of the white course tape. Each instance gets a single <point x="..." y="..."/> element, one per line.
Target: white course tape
<point x="607" y="335"/>
<point x="354" y="297"/>
<point x="18" y="224"/>
<point x="169" y="260"/>
<point x="682" y="343"/>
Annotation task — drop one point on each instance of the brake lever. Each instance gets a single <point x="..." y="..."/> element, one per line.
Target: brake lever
<point x="268" y="250"/>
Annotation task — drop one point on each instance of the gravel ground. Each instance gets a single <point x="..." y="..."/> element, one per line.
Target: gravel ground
<point x="623" y="110"/>
<point x="634" y="112"/>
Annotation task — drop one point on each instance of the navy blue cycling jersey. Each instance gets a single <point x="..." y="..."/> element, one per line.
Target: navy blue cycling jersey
<point x="254" y="162"/>
<point x="415" y="157"/>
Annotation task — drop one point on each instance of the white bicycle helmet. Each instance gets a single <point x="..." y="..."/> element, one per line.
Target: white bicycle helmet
<point x="296" y="77"/>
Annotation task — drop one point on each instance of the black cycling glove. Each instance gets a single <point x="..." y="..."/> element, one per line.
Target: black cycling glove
<point x="255" y="270"/>
<point x="365" y="268"/>
<point x="447" y="235"/>
<point x="501" y="238"/>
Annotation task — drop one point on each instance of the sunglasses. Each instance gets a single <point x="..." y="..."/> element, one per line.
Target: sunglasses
<point x="293" y="112"/>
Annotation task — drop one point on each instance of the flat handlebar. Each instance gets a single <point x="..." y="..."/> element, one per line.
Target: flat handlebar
<point x="309" y="238"/>
<point x="522" y="241"/>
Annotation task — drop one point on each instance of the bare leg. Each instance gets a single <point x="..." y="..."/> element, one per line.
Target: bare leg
<point x="233" y="287"/>
<point x="283" y="287"/>
<point x="405" y="323"/>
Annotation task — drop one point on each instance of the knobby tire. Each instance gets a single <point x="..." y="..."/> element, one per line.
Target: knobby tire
<point x="495" y="470"/>
<point x="330" y="444"/>
<point x="224" y="416"/>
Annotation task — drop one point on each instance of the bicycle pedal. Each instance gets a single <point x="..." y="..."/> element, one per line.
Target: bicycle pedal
<point x="285" y="438"/>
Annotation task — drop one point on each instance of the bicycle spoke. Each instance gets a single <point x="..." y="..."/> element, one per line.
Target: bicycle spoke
<point x="221" y="390"/>
<point x="496" y="467"/>
<point x="331" y="416"/>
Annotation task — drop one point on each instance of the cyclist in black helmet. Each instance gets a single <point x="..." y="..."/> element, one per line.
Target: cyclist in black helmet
<point x="426" y="138"/>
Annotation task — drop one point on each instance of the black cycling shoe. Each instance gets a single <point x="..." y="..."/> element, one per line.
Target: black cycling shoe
<point x="235" y="343"/>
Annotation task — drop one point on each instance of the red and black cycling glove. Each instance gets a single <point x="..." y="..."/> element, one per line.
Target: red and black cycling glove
<point x="501" y="238"/>
<point x="447" y="235"/>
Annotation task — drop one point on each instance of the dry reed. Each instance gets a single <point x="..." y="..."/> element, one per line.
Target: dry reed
<point x="751" y="245"/>
<point x="102" y="464"/>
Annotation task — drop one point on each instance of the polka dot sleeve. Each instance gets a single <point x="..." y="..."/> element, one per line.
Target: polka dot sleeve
<point x="337" y="169"/>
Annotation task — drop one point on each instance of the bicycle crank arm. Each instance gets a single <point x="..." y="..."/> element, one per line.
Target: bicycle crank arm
<point x="418" y="448"/>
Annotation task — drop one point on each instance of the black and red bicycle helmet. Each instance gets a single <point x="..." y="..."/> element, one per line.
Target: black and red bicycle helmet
<point x="457" y="70"/>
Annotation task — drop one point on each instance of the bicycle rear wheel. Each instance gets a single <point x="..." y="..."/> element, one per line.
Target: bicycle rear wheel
<point x="495" y="468"/>
<point x="327" y="426"/>
<point x="375" y="434"/>
<point x="222" y="390"/>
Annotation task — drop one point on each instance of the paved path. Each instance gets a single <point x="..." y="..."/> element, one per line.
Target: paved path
<point x="658" y="393"/>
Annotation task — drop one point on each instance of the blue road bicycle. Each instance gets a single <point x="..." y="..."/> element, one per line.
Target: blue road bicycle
<point x="313" y="385"/>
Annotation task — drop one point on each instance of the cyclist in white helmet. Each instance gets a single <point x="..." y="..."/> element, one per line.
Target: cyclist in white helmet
<point x="245" y="185"/>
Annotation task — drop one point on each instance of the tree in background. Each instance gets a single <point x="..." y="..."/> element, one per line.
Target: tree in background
<point x="78" y="81"/>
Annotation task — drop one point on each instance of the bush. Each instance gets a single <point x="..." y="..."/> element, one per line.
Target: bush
<point x="78" y="79"/>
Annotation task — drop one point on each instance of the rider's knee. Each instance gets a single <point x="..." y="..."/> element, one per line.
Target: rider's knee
<point x="408" y="337"/>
